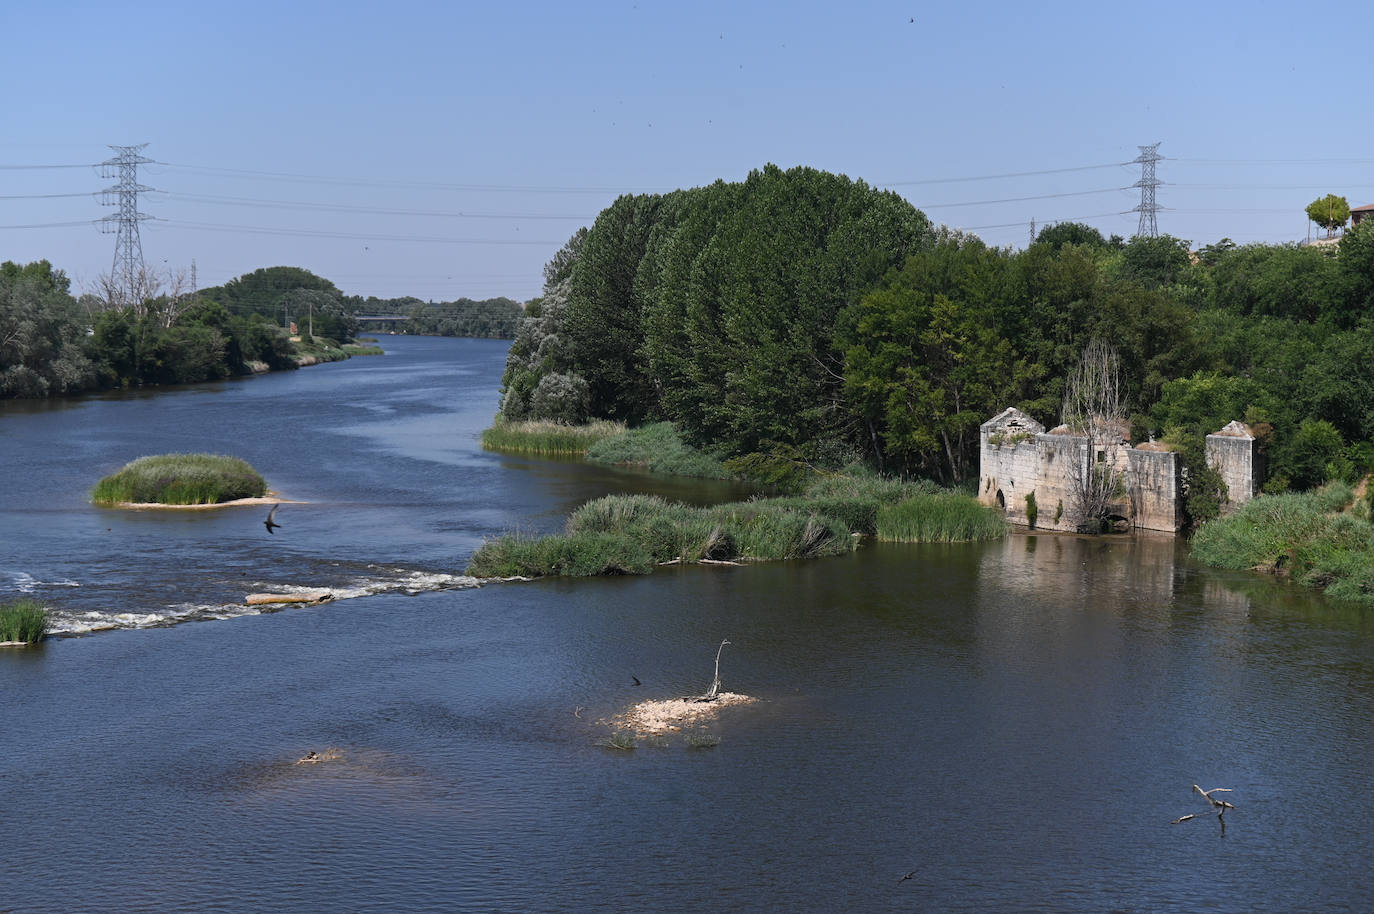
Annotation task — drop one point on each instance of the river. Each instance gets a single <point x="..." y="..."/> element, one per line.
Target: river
<point x="1013" y="723"/>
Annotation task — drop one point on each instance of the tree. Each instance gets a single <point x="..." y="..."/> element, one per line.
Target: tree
<point x="1095" y="410"/>
<point x="1330" y="212"/>
<point x="1062" y="233"/>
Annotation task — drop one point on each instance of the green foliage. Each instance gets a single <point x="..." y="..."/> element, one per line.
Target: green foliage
<point x="574" y="555"/>
<point x="1300" y="534"/>
<point x="1330" y="212"/>
<point x="1062" y="233"/>
<point x="939" y="518"/>
<point x="552" y="438"/>
<point x="180" y="479"/>
<point x="1032" y="510"/>
<point x="702" y="741"/>
<point x="492" y="318"/>
<point x="23" y="620"/>
<point x="659" y="449"/>
<point x="268" y="290"/>
<point x="1309" y="455"/>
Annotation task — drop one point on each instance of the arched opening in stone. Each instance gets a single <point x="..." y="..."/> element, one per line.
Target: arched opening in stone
<point x="1001" y="502"/>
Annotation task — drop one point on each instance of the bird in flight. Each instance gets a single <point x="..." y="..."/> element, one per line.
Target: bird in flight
<point x="906" y="877"/>
<point x="636" y="679"/>
<point x="269" y="523"/>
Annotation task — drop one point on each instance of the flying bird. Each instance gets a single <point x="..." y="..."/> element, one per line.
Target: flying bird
<point x="636" y="679"/>
<point x="906" y="877"/>
<point x="269" y="523"/>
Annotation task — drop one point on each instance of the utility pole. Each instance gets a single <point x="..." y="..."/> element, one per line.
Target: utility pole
<point x="1032" y="231"/>
<point x="1149" y="155"/>
<point x="127" y="272"/>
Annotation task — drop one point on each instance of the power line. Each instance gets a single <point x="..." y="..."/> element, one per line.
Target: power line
<point x="39" y="167"/>
<point x="376" y="211"/>
<point x="38" y="225"/>
<point x="359" y="236"/>
<point x="1075" y="193"/>
<point x="372" y="182"/>
<point x="1009" y="174"/>
<point x="44" y="196"/>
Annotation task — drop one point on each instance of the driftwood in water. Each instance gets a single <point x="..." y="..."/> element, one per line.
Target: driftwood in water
<point x="312" y="596"/>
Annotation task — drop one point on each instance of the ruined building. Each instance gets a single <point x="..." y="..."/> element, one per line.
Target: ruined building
<point x="1022" y="466"/>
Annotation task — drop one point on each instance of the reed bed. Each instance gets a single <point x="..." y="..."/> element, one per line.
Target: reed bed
<point x="552" y="438"/>
<point x="23" y="620"/>
<point x="180" y="479"/>
<point x="659" y="449"/>
<point x="943" y="517"/>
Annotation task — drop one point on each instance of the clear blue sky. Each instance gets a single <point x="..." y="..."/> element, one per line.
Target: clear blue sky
<point x="519" y="122"/>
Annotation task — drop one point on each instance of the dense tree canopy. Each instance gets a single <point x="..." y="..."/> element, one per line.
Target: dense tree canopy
<point x="806" y="316"/>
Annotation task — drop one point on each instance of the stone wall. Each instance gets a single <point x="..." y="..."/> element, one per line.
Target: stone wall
<point x="1234" y="453"/>
<point x="1156" y="490"/>
<point x="1019" y="458"/>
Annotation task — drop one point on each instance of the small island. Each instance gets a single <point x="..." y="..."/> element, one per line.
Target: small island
<point x="182" y="480"/>
<point x="22" y="623"/>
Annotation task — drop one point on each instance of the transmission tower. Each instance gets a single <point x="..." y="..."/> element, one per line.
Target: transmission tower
<point x="127" y="272"/>
<point x="1149" y="155"/>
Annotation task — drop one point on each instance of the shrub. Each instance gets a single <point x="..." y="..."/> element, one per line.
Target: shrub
<point x="1032" y="511"/>
<point x="180" y="479"/>
<point x="23" y="620"/>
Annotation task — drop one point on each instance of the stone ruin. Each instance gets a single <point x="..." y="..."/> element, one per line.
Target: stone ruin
<point x="1019" y="458"/>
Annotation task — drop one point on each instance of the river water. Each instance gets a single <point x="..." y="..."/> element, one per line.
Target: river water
<point x="1013" y="723"/>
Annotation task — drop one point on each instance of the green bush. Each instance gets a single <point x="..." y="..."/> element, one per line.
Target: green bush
<point x="939" y="518"/>
<point x="552" y="438"/>
<point x="180" y="479"/>
<point x="23" y="620"/>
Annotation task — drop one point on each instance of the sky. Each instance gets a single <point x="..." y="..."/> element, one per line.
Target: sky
<point x="447" y="150"/>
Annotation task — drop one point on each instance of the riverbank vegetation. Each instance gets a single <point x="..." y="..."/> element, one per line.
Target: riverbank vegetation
<point x="631" y="534"/>
<point x="802" y="320"/>
<point x="180" y="479"/>
<point x="659" y="449"/>
<point x="1322" y="538"/>
<point x="554" y="439"/>
<point x="25" y="621"/>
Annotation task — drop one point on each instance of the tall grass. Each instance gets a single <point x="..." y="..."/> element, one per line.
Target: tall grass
<point x="574" y="555"/>
<point x="23" y="620"/>
<point x="1305" y="535"/>
<point x="659" y="449"/>
<point x="944" y="517"/>
<point x="180" y="479"/>
<point x="553" y="438"/>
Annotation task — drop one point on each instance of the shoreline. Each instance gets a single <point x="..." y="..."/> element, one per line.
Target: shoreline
<point x="268" y="499"/>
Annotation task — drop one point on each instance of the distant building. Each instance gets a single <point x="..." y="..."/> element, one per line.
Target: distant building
<point x="1360" y="213"/>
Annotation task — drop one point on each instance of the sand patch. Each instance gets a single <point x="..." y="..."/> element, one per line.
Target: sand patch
<point x="269" y="499"/>
<point x="675" y="713"/>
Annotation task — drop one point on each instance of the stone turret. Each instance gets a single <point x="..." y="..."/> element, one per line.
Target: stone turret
<point x="1234" y="453"/>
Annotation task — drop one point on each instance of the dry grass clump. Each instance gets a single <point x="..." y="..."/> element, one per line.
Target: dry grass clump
<point x="544" y="437"/>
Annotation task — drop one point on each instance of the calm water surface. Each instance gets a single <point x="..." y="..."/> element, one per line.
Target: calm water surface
<point x="1015" y="722"/>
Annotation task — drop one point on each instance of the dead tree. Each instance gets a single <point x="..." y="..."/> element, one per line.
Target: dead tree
<point x="1095" y="410"/>
<point x="714" y="692"/>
